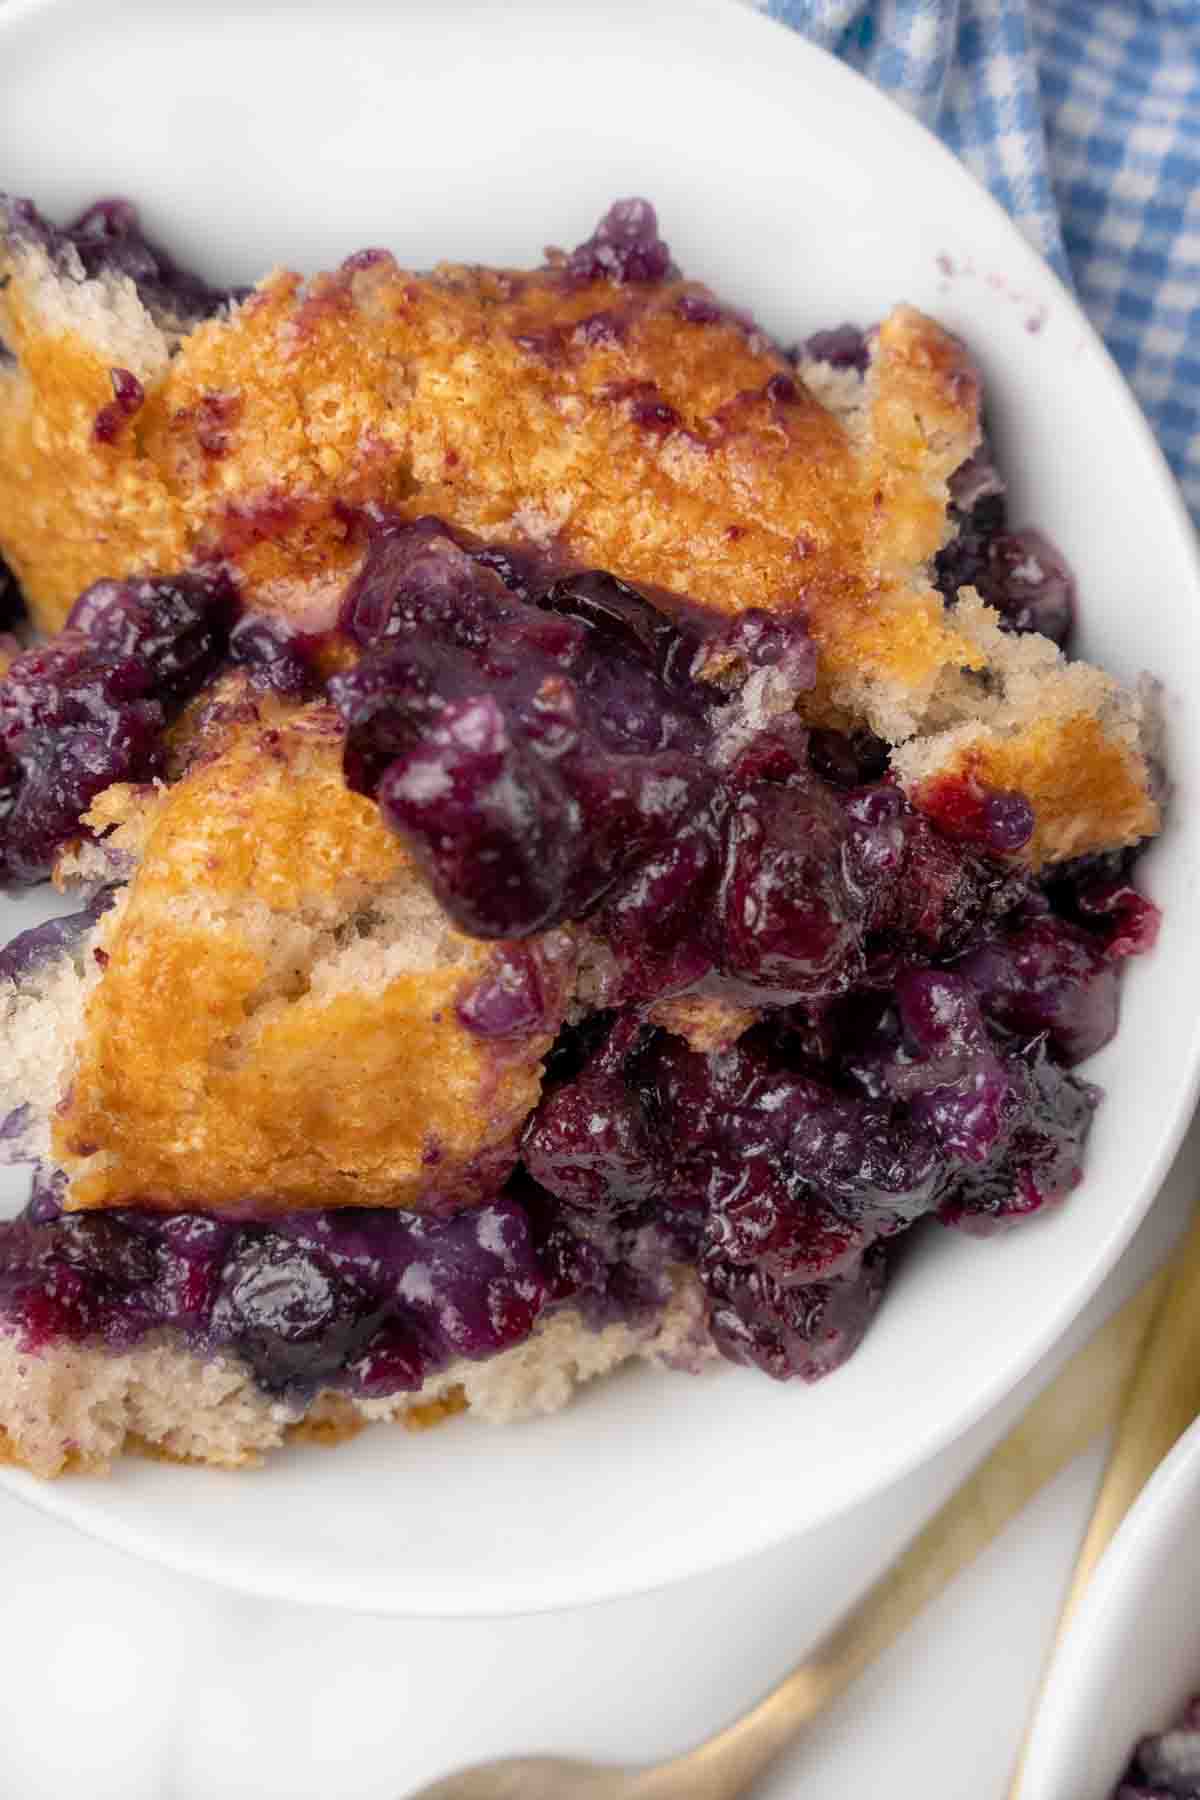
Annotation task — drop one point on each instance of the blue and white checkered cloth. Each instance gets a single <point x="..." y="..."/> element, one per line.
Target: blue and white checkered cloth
<point x="1083" y="118"/>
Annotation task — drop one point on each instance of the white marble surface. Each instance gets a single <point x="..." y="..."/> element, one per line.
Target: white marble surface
<point x="159" y="1688"/>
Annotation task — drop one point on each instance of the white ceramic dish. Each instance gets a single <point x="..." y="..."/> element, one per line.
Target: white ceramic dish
<point x="299" y="132"/>
<point x="1131" y="1659"/>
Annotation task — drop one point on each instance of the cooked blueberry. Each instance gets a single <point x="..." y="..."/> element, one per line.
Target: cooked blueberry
<point x="472" y="1284"/>
<point x="847" y="759"/>
<point x="654" y="920"/>
<point x="393" y="1362"/>
<point x="1020" y="573"/>
<point x="806" y="1331"/>
<point x="844" y="347"/>
<point x="626" y="624"/>
<point x="45" y="1195"/>
<point x="89" y="708"/>
<point x="624" y="247"/>
<point x="55" y="1304"/>
<point x="941" y="895"/>
<point x="275" y="656"/>
<point x="769" y="640"/>
<point x="509" y="1000"/>
<point x="70" y="725"/>
<point x="994" y="820"/>
<point x="1126" y="922"/>
<point x="494" y="827"/>
<point x="949" y="1071"/>
<point x="763" y="1215"/>
<point x="177" y="625"/>
<point x="790" y="921"/>
<point x="295" y="1321"/>
<point x="106" y="1247"/>
<point x="1048" y="977"/>
<point x="1040" y="1158"/>
<point x="386" y="701"/>
<point x="31" y="950"/>
<point x="1030" y="584"/>
<point x="590" y="1143"/>
<point x="191" y="1257"/>
<point x="415" y="579"/>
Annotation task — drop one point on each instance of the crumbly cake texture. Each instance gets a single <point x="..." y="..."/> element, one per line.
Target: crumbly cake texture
<point x="631" y="427"/>
<point x="73" y="1408"/>
<point x="267" y="1019"/>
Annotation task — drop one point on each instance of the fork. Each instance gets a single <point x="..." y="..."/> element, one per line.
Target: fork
<point x="1082" y="1401"/>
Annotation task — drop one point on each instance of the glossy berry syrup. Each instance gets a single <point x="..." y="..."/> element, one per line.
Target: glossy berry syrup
<point x="550" y="747"/>
<point x="90" y="706"/>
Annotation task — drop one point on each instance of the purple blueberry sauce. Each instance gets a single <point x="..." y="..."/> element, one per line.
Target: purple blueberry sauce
<point x="1020" y="573"/>
<point x="31" y="950"/>
<point x="557" y="746"/>
<point x="1166" y="1765"/>
<point x="549" y="746"/>
<point x="625" y="247"/>
<point x="845" y="347"/>
<point x="536" y="756"/>
<point x="90" y="707"/>
<point x="276" y="658"/>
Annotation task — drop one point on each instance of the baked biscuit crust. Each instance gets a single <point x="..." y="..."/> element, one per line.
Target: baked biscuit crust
<point x="596" y="419"/>
<point x="633" y="426"/>
<point x="275" y="1025"/>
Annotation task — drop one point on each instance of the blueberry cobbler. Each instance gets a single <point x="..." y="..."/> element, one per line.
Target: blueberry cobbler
<point x="584" y="826"/>
<point x="1166" y="1765"/>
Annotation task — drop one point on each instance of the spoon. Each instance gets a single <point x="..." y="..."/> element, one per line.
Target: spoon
<point x="1082" y="1401"/>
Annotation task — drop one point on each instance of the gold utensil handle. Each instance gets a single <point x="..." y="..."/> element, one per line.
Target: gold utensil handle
<point x="1078" y="1405"/>
<point x="1162" y="1399"/>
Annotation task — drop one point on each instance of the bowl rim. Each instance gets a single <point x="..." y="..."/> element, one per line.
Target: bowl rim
<point x="1116" y="1587"/>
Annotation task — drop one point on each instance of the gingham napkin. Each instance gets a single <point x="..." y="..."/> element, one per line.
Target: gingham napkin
<point x="1083" y="118"/>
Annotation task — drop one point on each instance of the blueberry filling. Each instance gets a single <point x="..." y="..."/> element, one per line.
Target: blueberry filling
<point x="1020" y="573"/>
<point x="845" y="347"/>
<point x="90" y="707"/>
<point x="532" y="754"/>
<point x="557" y="746"/>
<point x="1166" y="1765"/>
<point x="108" y="239"/>
<point x="369" y="1301"/>
<point x="552" y="752"/>
<point x="276" y="658"/>
<point x="625" y="247"/>
<point x="782" y="1171"/>
<point x="550" y="745"/>
<point x="31" y="950"/>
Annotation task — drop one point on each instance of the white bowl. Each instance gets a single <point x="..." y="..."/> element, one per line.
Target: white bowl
<point x="299" y="132"/>
<point x="1131" y="1659"/>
